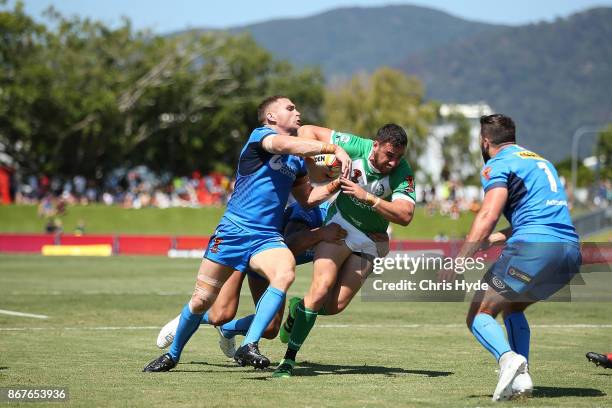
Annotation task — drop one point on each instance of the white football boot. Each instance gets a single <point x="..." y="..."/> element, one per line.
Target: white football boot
<point x="227" y="346"/>
<point x="167" y="333"/>
<point x="522" y="386"/>
<point x="510" y="365"/>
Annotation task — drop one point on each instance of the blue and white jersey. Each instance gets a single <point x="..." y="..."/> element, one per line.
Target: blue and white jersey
<point x="537" y="204"/>
<point x="263" y="183"/>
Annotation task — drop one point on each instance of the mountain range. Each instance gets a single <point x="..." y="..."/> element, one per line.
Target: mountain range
<point x="551" y="77"/>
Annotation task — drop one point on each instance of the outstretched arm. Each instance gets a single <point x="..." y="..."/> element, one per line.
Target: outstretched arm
<point x="311" y="132"/>
<point x="305" y="147"/>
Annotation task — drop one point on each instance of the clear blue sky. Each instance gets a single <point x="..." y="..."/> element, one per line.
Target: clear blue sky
<point x="164" y="16"/>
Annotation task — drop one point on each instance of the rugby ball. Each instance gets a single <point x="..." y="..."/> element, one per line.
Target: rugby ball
<point x="323" y="167"/>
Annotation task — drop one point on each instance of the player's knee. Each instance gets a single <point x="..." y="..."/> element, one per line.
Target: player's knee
<point x="202" y="298"/>
<point x="319" y="291"/>
<point x="483" y="309"/>
<point x="283" y="278"/>
<point x="197" y="304"/>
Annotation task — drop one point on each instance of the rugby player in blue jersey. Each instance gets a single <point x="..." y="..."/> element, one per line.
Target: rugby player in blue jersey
<point x="303" y="230"/>
<point x="271" y="166"/>
<point x="541" y="253"/>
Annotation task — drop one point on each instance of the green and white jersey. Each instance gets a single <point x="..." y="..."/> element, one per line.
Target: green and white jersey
<point x="398" y="185"/>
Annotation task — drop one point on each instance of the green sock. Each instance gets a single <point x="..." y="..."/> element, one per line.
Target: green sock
<point x="304" y="320"/>
<point x="293" y="307"/>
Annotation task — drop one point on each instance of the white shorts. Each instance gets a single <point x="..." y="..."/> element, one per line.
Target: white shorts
<point x="357" y="241"/>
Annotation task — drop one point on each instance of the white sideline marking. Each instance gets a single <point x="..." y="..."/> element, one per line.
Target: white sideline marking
<point x="12" y="313"/>
<point x="324" y="326"/>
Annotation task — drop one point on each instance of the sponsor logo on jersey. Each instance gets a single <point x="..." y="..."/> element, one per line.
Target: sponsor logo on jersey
<point x="498" y="283"/>
<point x="486" y="173"/>
<point x="409" y="184"/>
<point x="515" y="273"/>
<point x="342" y="138"/>
<point x="380" y="190"/>
<point x="276" y="164"/>
<point x="215" y="248"/>
<point x="557" y="202"/>
<point x="526" y="154"/>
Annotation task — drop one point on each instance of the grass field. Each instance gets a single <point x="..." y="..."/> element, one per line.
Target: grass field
<point x="104" y="316"/>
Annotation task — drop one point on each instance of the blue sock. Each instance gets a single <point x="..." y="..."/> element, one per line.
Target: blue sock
<point x="188" y="324"/>
<point x="205" y="318"/>
<point x="234" y="327"/>
<point x="265" y="311"/>
<point x="490" y="334"/>
<point x="237" y="326"/>
<point x="519" y="334"/>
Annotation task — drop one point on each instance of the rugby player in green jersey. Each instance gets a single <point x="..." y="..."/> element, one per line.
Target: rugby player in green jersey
<point x="380" y="190"/>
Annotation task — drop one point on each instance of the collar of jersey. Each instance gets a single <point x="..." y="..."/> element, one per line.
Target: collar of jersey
<point x="370" y="165"/>
<point x="506" y="149"/>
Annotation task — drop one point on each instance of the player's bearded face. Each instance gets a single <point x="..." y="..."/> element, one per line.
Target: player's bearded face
<point x="286" y="116"/>
<point x="484" y="149"/>
<point x="386" y="157"/>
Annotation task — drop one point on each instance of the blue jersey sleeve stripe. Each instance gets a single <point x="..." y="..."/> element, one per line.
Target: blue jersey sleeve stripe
<point x="259" y="134"/>
<point x="260" y="140"/>
<point x="496" y="184"/>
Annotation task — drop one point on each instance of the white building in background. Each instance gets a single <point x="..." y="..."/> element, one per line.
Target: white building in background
<point x="431" y="161"/>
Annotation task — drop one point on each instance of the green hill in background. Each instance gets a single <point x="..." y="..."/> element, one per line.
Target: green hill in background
<point x="347" y="40"/>
<point x="550" y="77"/>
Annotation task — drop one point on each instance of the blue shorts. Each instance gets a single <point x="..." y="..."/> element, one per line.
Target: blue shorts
<point x="533" y="271"/>
<point x="233" y="246"/>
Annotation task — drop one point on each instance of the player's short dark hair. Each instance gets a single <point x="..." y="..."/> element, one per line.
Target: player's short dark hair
<point x="392" y="133"/>
<point x="261" y="109"/>
<point x="498" y="128"/>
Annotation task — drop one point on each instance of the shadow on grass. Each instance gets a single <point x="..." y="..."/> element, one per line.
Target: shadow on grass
<point x="308" y="369"/>
<point x="3" y="368"/>
<point x="557" y="392"/>
<point x="222" y="368"/>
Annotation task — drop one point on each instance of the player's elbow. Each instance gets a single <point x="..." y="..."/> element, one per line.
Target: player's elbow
<point x="406" y="218"/>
